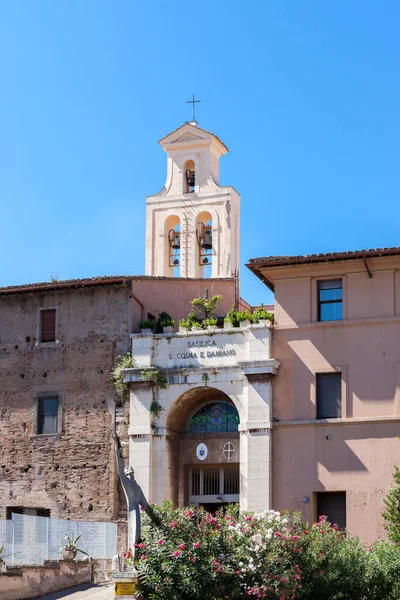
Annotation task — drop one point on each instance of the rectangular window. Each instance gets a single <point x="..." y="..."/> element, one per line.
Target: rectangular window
<point x="330" y="300"/>
<point x="47" y="415"/>
<point x="48" y="325"/>
<point x="333" y="506"/>
<point x="214" y="484"/>
<point x="329" y="395"/>
<point x="20" y="510"/>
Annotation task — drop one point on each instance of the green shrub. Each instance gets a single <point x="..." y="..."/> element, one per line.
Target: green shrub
<point x="165" y="320"/>
<point x="117" y="377"/>
<point x="205" y="306"/>
<point x="392" y="512"/>
<point x="147" y="324"/>
<point x="231" y="317"/>
<point x="189" y="554"/>
<point x="210" y="322"/>
<point x="260" y="313"/>
<point x="191" y="321"/>
<point x="243" y="315"/>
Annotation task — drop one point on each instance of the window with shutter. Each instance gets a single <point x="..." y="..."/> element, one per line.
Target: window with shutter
<point x="48" y="325"/>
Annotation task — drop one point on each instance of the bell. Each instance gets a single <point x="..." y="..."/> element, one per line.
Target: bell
<point x="206" y="243"/>
<point x="190" y="178"/>
<point x="205" y="261"/>
<point x="176" y="262"/>
<point x="176" y="241"/>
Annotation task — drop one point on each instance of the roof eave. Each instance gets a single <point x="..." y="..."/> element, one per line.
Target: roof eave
<point x="261" y="276"/>
<point x="284" y="261"/>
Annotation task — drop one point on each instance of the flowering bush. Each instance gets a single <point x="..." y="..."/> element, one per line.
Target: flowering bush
<point x="190" y="554"/>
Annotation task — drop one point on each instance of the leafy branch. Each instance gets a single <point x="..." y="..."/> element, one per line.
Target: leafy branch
<point x="125" y="361"/>
<point x="153" y="376"/>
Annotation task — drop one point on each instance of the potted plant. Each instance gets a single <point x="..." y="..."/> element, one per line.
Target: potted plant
<point x="193" y="322"/>
<point x="262" y="316"/>
<point x="70" y="549"/>
<point x="205" y="307"/>
<point x="244" y="318"/>
<point x="231" y="320"/>
<point x="211" y="324"/>
<point x="147" y="326"/>
<point x="165" y="322"/>
<point x="183" y="326"/>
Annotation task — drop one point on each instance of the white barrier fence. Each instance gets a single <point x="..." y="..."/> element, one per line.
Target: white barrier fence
<point x="32" y="540"/>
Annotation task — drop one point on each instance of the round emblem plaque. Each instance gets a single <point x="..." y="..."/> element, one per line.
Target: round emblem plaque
<point x="201" y="451"/>
<point x="229" y="450"/>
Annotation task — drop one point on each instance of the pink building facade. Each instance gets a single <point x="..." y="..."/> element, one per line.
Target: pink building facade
<point x="336" y="399"/>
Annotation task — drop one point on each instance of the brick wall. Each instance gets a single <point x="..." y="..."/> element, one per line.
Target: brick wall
<point x="72" y="473"/>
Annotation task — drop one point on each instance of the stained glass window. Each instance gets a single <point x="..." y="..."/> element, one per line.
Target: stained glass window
<point x="214" y="417"/>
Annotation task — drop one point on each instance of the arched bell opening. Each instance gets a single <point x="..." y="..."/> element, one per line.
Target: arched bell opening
<point x="204" y="250"/>
<point x="173" y="246"/>
<point x="203" y="438"/>
<point x="189" y="177"/>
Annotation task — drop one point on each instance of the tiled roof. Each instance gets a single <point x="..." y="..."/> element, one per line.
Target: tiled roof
<point x="92" y="281"/>
<point x="196" y="127"/>
<point x="272" y="261"/>
<point x="255" y="264"/>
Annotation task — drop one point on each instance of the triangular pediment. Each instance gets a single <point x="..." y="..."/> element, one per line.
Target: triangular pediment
<point x="190" y="133"/>
<point x="187" y="137"/>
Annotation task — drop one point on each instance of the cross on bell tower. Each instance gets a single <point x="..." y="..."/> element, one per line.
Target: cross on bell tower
<point x="192" y="225"/>
<point x="193" y="102"/>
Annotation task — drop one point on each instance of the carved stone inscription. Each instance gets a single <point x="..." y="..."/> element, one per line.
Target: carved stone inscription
<point x="202" y="349"/>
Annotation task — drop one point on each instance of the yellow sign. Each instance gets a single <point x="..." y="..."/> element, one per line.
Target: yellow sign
<point x="122" y="589"/>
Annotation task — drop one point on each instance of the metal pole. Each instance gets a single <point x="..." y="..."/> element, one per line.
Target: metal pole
<point x="47" y="538"/>
<point x="13" y="538"/>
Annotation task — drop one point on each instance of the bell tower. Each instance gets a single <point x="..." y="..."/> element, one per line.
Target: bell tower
<point x="192" y="224"/>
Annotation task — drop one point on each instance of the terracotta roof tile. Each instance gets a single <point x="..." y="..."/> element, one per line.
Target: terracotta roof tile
<point x="92" y="281"/>
<point x="256" y="264"/>
<point x="271" y="261"/>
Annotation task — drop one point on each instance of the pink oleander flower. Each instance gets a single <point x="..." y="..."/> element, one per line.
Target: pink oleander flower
<point x="160" y="542"/>
<point x="176" y="554"/>
<point x="143" y="557"/>
<point x="196" y="544"/>
<point x="182" y="547"/>
<point x="173" y="525"/>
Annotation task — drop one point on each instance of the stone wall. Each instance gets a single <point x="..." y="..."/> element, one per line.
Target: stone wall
<point x="71" y="473"/>
<point x="31" y="581"/>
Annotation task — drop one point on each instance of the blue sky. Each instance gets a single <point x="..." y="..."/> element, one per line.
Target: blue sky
<point x="305" y="94"/>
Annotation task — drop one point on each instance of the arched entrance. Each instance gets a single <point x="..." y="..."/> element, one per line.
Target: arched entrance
<point x="203" y="435"/>
<point x="207" y="374"/>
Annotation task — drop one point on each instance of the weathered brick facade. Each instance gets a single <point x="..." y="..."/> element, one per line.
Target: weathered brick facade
<point x="71" y="473"/>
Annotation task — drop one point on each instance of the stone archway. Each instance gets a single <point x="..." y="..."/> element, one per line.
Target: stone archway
<point x="198" y="367"/>
<point x="191" y="478"/>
